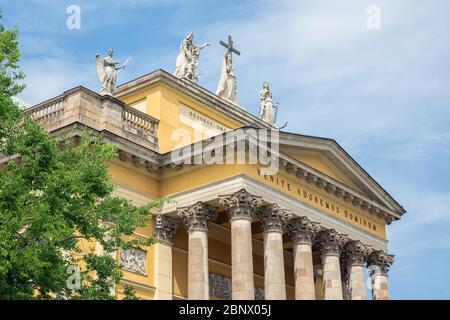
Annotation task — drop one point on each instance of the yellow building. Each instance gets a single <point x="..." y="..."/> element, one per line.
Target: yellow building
<point x="302" y="225"/>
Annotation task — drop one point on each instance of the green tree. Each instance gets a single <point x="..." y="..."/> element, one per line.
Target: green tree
<point x="53" y="195"/>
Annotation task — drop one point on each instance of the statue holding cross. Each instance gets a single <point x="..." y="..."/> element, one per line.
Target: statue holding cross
<point x="227" y="82"/>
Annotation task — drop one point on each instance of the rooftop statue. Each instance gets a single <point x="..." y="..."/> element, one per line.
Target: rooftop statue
<point x="107" y="72"/>
<point x="266" y="112"/>
<point x="227" y="83"/>
<point x="188" y="58"/>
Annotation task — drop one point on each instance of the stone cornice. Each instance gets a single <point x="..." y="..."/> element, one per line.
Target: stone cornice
<point x="193" y="90"/>
<point x="345" y="162"/>
<point x="337" y="189"/>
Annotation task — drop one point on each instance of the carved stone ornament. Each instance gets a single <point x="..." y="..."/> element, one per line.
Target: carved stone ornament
<point x="331" y="242"/>
<point x="273" y="218"/>
<point x="302" y="230"/>
<point x="133" y="260"/>
<point x="220" y="287"/>
<point x="356" y="252"/>
<point x="382" y="260"/>
<point x="165" y="228"/>
<point x="241" y="204"/>
<point x="196" y="217"/>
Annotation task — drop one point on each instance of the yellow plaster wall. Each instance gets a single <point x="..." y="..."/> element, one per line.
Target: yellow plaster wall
<point x="134" y="180"/>
<point x="163" y="103"/>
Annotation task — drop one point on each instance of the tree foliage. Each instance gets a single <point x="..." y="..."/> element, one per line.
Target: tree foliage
<point x="56" y="202"/>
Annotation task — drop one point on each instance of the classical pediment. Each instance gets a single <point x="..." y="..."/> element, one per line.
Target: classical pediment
<point x="327" y="157"/>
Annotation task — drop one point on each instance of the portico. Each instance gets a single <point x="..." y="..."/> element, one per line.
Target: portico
<point x="314" y="228"/>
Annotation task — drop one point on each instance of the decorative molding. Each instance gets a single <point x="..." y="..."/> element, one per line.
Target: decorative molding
<point x="240" y="204"/>
<point x="212" y="191"/>
<point x="381" y="260"/>
<point x="165" y="227"/>
<point x="273" y="218"/>
<point x="133" y="260"/>
<point x="220" y="287"/>
<point x="331" y="242"/>
<point x="302" y="230"/>
<point x="196" y="217"/>
<point x="356" y="252"/>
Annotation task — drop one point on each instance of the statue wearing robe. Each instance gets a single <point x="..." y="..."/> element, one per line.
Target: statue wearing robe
<point x="227" y="83"/>
<point x="188" y="59"/>
<point x="266" y="112"/>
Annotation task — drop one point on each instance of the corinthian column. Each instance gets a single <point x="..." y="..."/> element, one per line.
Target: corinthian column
<point x="331" y="244"/>
<point x="196" y="218"/>
<point x="379" y="263"/>
<point x="356" y="254"/>
<point x="241" y="207"/>
<point x="164" y="229"/>
<point x="273" y="220"/>
<point x="302" y="232"/>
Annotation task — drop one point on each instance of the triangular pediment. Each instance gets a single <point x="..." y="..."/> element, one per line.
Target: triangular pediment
<point x="330" y="159"/>
<point x="320" y="162"/>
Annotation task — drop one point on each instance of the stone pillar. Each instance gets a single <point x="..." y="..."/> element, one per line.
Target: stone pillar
<point x="241" y="207"/>
<point x="331" y="244"/>
<point x="302" y="232"/>
<point x="273" y="220"/>
<point x="164" y="229"/>
<point x="345" y="277"/>
<point x="356" y="254"/>
<point x="196" y="218"/>
<point x="379" y="263"/>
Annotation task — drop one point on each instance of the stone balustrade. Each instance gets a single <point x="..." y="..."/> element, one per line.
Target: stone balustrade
<point x="101" y="113"/>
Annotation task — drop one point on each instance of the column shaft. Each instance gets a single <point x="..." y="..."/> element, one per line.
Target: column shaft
<point x="332" y="282"/>
<point x="357" y="282"/>
<point x="274" y="277"/>
<point x="196" y="218"/>
<point x="379" y="264"/>
<point x="304" y="272"/>
<point x="198" y="265"/>
<point x="163" y="271"/>
<point x="243" y="287"/>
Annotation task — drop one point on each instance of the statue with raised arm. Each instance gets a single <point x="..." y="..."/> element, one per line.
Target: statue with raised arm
<point x="107" y="72"/>
<point x="188" y="58"/>
<point x="266" y="112"/>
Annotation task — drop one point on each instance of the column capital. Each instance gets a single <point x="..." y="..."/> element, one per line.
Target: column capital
<point x="196" y="217"/>
<point x="165" y="228"/>
<point x="273" y="218"/>
<point x="356" y="252"/>
<point x="382" y="260"/>
<point x="331" y="242"/>
<point x="302" y="230"/>
<point x="240" y="204"/>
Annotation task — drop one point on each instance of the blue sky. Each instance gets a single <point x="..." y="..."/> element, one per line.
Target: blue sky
<point x="384" y="95"/>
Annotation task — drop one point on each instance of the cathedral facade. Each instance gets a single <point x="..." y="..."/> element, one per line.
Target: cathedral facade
<point x="306" y="223"/>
